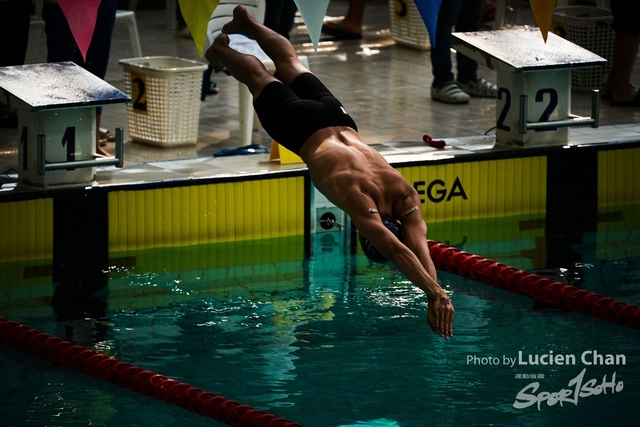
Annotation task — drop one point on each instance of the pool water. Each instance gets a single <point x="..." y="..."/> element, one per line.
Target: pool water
<point x="337" y="341"/>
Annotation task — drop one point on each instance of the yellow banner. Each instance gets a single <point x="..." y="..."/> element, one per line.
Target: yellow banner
<point x="196" y="14"/>
<point x="543" y="12"/>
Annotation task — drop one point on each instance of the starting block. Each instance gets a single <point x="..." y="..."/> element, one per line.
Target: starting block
<point x="534" y="83"/>
<point x="56" y="106"/>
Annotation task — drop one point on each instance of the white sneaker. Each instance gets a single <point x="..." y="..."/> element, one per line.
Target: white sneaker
<point x="450" y="93"/>
<point x="479" y="87"/>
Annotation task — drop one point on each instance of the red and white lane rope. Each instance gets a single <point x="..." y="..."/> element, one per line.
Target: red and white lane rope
<point x="140" y="380"/>
<point x="496" y="274"/>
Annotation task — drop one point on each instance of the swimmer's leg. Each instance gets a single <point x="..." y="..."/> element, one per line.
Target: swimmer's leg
<point x="277" y="47"/>
<point x="246" y="68"/>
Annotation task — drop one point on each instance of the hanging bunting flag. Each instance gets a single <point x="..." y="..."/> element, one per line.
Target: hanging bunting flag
<point x="313" y="12"/>
<point x="81" y="16"/>
<point x="196" y="14"/>
<point x="429" y="10"/>
<point x="543" y="12"/>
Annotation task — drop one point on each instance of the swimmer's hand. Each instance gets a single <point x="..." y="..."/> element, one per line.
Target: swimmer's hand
<point x="440" y="313"/>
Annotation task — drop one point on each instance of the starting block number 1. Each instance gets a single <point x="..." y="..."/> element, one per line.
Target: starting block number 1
<point x="68" y="141"/>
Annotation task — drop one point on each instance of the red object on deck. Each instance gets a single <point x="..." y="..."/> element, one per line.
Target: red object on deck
<point x="435" y="143"/>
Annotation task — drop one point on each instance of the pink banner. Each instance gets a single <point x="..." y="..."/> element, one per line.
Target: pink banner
<point x="81" y="16"/>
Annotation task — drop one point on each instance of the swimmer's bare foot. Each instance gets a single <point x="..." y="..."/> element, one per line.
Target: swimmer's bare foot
<point x="241" y="22"/>
<point x="213" y="54"/>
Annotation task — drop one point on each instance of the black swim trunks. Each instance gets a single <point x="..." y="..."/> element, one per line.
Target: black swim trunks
<point x="290" y="115"/>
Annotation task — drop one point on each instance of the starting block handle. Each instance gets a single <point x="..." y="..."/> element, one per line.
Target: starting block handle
<point x="593" y="121"/>
<point x="116" y="161"/>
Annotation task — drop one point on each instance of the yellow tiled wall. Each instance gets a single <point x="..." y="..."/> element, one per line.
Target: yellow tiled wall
<point x="206" y="213"/>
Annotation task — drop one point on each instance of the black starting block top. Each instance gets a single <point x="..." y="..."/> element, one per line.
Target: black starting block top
<point x="523" y="50"/>
<point x="38" y="87"/>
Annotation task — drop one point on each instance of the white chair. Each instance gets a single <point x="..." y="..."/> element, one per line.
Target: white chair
<point x="128" y="17"/>
<point x="221" y="15"/>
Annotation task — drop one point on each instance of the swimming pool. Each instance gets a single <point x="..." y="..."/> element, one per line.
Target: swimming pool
<point x="337" y="341"/>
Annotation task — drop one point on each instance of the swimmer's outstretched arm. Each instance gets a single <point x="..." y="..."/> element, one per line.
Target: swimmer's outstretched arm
<point x="416" y="240"/>
<point x="440" y="312"/>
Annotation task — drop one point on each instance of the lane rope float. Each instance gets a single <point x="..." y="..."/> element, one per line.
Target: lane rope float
<point x="67" y="354"/>
<point x="499" y="275"/>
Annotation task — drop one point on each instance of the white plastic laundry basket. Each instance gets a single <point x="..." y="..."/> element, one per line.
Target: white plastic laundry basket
<point x="165" y="99"/>
<point x="590" y="28"/>
<point x="407" y="26"/>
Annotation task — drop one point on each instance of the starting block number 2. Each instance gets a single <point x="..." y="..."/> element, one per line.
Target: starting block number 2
<point x="505" y="95"/>
<point x="139" y="93"/>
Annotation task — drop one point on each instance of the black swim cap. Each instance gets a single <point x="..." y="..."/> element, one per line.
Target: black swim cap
<point x="370" y="251"/>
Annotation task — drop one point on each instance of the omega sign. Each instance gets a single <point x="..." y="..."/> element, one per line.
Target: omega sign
<point x="438" y="191"/>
